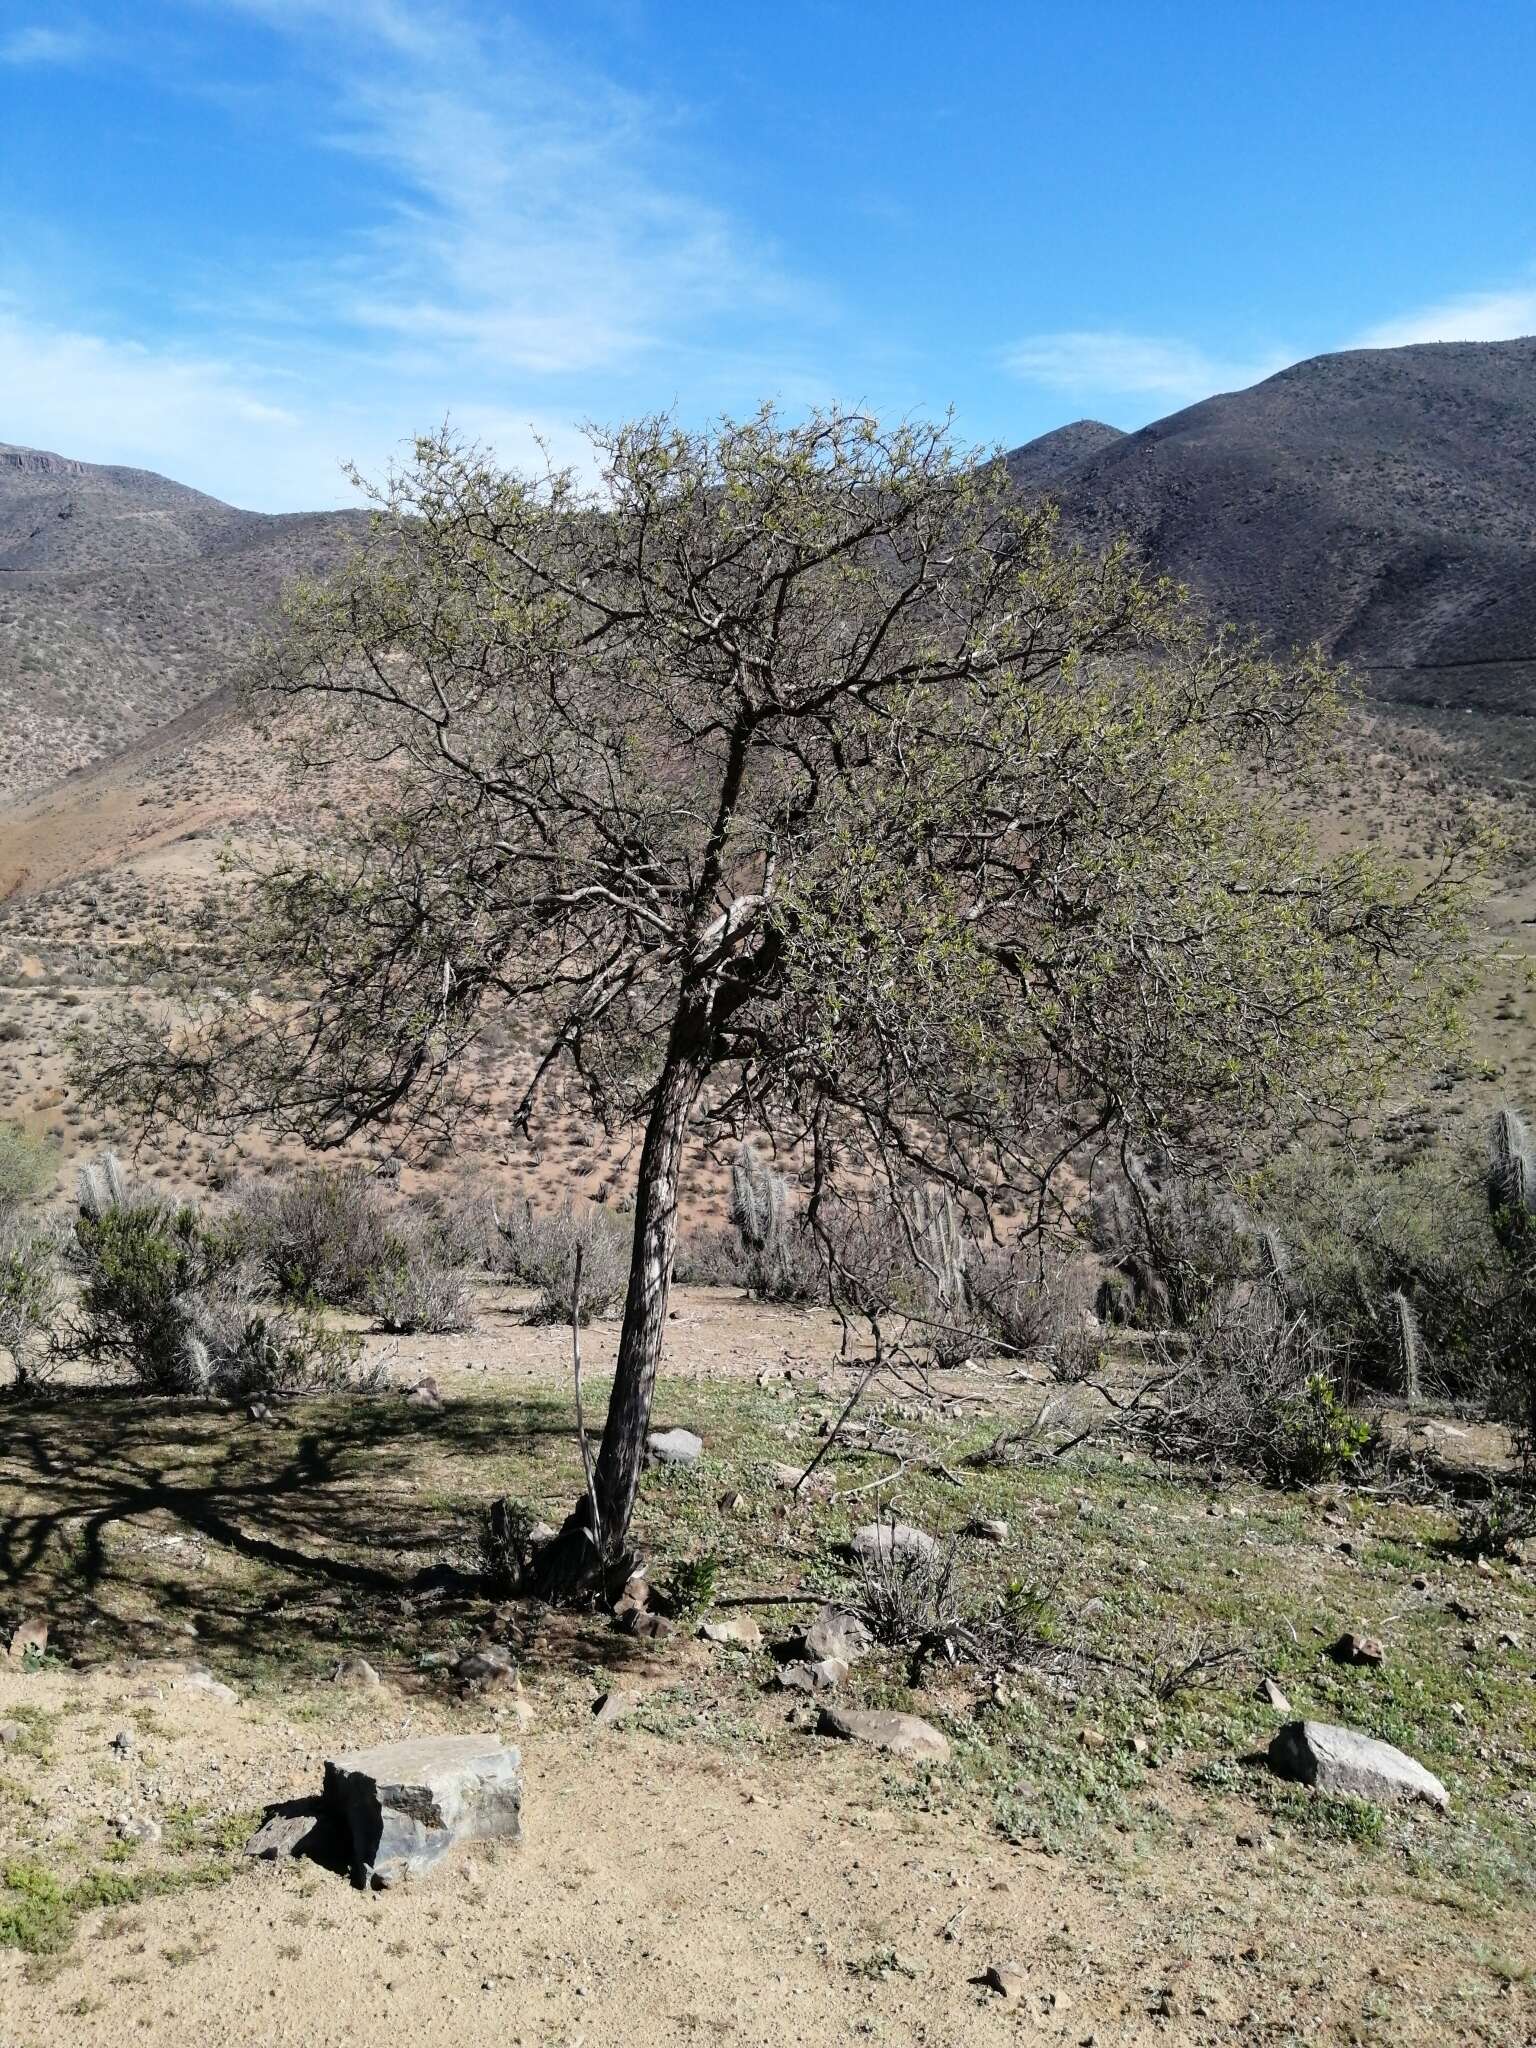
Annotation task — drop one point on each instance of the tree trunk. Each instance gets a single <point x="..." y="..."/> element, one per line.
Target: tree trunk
<point x="572" y="1561"/>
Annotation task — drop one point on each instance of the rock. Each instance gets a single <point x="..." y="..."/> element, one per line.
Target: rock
<point x="615" y="1707"/>
<point x="819" y="1486"/>
<point x="123" y="1742"/>
<point x="1355" y="1649"/>
<point x="1340" y="1760"/>
<point x="674" y="1447"/>
<point x="286" y="1830"/>
<point x="357" y="1673"/>
<point x="825" y="1674"/>
<point x="836" y="1633"/>
<point x="645" y="1623"/>
<point x="902" y="1734"/>
<point x="30" y="1635"/>
<point x="491" y="1664"/>
<point x="205" y="1682"/>
<point x="10" y="1734"/>
<point x="128" y="1829"/>
<point x="1008" y="1980"/>
<point x="738" y="1629"/>
<point x="408" y="1803"/>
<point x="880" y="1542"/>
<point x="987" y="1529"/>
<point x="424" y="1395"/>
<point x="1272" y="1696"/>
<point x="540" y="1534"/>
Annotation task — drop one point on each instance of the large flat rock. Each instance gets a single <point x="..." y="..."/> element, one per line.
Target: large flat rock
<point x="1340" y="1760"/>
<point x="406" y="1804"/>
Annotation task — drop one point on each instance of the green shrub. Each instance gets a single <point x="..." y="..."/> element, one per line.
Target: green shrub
<point x="27" y="1168"/>
<point x="29" y="1295"/>
<point x="540" y="1251"/>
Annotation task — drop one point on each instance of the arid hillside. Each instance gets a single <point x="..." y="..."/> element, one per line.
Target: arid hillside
<point x="125" y="599"/>
<point x="1382" y="501"/>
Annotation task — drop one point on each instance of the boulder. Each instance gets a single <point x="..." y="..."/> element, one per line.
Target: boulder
<point x="880" y="1542"/>
<point x="836" y="1633"/>
<point x="902" y="1734"/>
<point x="1341" y="1761"/>
<point x="406" y="1804"/>
<point x="674" y="1447"/>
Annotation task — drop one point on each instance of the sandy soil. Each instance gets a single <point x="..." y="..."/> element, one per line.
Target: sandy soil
<point x="666" y="1894"/>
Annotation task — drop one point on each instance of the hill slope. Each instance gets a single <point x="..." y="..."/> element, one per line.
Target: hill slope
<point x="124" y="599"/>
<point x="1381" y="500"/>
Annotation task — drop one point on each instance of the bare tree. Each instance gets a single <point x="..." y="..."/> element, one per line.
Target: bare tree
<point x="798" y="761"/>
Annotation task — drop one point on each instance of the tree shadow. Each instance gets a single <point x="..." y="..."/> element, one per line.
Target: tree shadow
<point x="124" y="1519"/>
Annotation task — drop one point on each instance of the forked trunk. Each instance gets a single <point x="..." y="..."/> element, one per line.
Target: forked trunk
<point x="573" y="1560"/>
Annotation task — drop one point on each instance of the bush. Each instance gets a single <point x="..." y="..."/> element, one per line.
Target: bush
<point x="779" y="1258"/>
<point x="29" y="1296"/>
<point x="173" y="1301"/>
<point x="317" y="1232"/>
<point x="26" y="1168"/>
<point x="417" y="1281"/>
<point x="540" y="1251"/>
<point x="1256" y="1391"/>
<point x="1176" y="1248"/>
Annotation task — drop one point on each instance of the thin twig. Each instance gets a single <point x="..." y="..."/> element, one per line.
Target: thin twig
<point x="832" y="1433"/>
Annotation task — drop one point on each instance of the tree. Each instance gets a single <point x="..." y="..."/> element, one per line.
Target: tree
<point x="798" y="763"/>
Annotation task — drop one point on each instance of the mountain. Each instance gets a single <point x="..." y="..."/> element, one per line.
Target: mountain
<point x="1044" y="464"/>
<point x="125" y="599"/>
<point x="1382" y="501"/>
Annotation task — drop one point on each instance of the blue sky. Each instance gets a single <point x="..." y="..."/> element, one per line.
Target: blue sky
<point x="245" y="241"/>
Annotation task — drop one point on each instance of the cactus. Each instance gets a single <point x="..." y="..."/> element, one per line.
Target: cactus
<point x="102" y="1187"/>
<point x="941" y="1249"/>
<point x="760" y="1215"/>
<point x="1511" y="1179"/>
<point x="1407" y="1345"/>
<point x="1275" y="1264"/>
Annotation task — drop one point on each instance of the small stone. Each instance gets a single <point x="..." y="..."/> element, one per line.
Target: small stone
<point x="1508" y="1640"/>
<point x="406" y="1804"/>
<point x="284" y="1831"/>
<point x="10" y="1734"/>
<point x="739" y="1630"/>
<point x="901" y="1734"/>
<point x="881" y="1542"/>
<point x="1356" y="1649"/>
<point x="204" y="1682"/>
<point x="129" y="1829"/>
<point x="1008" y="1980"/>
<point x="1341" y="1761"/>
<point x="356" y="1673"/>
<point x="643" y="1622"/>
<point x="1091" y="1738"/>
<point x="491" y="1664"/>
<point x="30" y="1635"/>
<point x="615" y="1707"/>
<point x="1420" y="1583"/>
<point x="1139" y="1745"/>
<point x="837" y="1633"/>
<point x="123" y="1742"/>
<point x="424" y="1395"/>
<point x="674" y="1447"/>
<point x="792" y="1478"/>
<point x="823" y="1674"/>
<point x="1269" y="1692"/>
<point x="988" y="1529"/>
<point x="259" y="1412"/>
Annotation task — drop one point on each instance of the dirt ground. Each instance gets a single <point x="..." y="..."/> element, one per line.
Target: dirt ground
<point x="711" y="1869"/>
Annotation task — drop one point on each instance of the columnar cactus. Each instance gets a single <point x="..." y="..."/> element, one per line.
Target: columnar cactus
<point x="1407" y="1345"/>
<point x="1511" y="1178"/>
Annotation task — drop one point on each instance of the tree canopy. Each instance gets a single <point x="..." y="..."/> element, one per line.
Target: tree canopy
<point x="798" y="761"/>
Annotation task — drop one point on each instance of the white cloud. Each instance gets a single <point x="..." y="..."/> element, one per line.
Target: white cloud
<point x="1477" y="316"/>
<point x="40" y="45"/>
<point x="1108" y="361"/>
<point x="538" y="222"/>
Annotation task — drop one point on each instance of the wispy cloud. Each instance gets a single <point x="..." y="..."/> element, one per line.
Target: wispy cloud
<point x="1109" y="362"/>
<point x="540" y="220"/>
<point x="232" y="428"/>
<point x="40" y="44"/>
<point x="1476" y="316"/>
